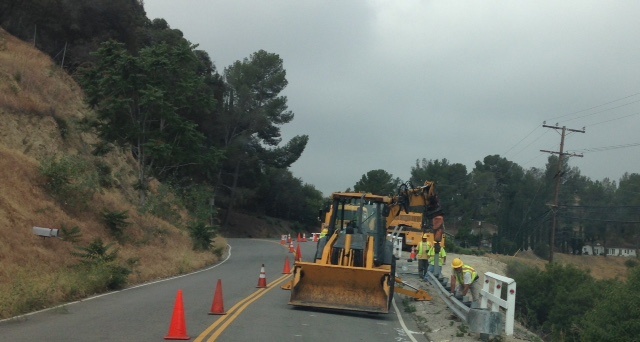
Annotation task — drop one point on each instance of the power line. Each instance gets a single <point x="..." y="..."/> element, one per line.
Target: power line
<point x="607" y="148"/>
<point x="622" y="117"/>
<point x="594" y="107"/>
<point x="602" y="111"/>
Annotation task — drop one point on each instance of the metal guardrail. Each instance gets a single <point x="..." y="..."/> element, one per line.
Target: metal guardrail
<point x="458" y="307"/>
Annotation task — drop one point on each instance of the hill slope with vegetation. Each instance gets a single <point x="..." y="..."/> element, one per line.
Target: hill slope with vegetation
<point x="51" y="179"/>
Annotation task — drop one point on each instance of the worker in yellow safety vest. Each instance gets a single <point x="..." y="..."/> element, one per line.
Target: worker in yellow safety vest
<point x="423" y="256"/>
<point x="466" y="279"/>
<point x="322" y="241"/>
<point x="324" y="233"/>
<point x="436" y="261"/>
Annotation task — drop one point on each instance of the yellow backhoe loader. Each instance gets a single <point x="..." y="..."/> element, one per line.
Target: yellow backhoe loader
<point x="354" y="268"/>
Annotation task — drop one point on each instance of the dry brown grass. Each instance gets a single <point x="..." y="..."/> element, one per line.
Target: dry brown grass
<point x="34" y="97"/>
<point x="599" y="267"/>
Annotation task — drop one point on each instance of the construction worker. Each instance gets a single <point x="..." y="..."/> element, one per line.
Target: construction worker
<point x="466" y="279"/>
<point x="436" y="260"/>
<point x="324" y="232"/>
<point x="322" y="241"/>
<point x="423" y="256"/>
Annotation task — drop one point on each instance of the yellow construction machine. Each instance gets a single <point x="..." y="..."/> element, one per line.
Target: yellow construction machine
<point x="411" y="227"/>
<point x="354" y="267"/>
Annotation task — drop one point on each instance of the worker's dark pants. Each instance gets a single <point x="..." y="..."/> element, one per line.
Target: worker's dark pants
<point x="423" y="264"/>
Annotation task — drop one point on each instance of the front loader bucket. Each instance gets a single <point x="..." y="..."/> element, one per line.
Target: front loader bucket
<point x="340" y="287"/>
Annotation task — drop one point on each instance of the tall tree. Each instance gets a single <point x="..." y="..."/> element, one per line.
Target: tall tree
<point x="249" y="123"/>
<point x="143" y="103"/>
<point x="378" y="182"/>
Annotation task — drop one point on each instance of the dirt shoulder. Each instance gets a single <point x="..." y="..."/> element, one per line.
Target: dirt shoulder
<point x="435" y="319"/>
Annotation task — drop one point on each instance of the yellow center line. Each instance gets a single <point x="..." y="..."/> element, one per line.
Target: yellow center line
<point x="235" y="312"/>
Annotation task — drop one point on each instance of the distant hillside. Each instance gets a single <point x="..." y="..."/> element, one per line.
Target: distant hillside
<point x="43" y="121"/>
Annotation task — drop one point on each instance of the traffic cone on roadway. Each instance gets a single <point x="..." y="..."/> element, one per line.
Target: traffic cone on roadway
<point x="217" y="307"/>
<point x="291" y="250"/>
<point x="299" y="237"/>
<point x="262" y="280"/>
<point x="178" y="328"/>
<point x="298" y="254"/>
<point x="283" y="240"/>
<point x="287" y="266"/>
<point x="315" y="237"/>
<point x="413" y="253"/>
<point x="304" y="237"/>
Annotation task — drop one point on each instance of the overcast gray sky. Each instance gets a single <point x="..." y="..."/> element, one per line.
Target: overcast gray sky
<point x="381" y="84"/>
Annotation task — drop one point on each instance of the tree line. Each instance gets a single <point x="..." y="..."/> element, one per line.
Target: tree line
<point x="158" y="96"/>
<point x="520" y="203"/>
<point x="195" y="127"/>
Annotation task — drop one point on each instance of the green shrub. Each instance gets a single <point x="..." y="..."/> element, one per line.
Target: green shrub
<point x="631" y="263"/>
<point x="100" y="267"/>
<point x="197" y="198"/>
<point x="616" y="317"/>
<point x="71" y="180"/>
<point x="72" y="235"/>
<point x="105" y="179"/>
<point x="202" y="235"/>
<point x="116" y="222"/>
<point x="164" y="205"/>
<point x="553" y="301"/>
<point x="63" y="127"/>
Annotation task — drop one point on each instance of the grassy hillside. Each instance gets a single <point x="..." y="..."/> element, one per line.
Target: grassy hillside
<point x="43" y="127"/>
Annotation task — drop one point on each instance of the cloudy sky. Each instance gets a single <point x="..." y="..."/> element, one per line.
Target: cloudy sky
<point x="382" y="84"/>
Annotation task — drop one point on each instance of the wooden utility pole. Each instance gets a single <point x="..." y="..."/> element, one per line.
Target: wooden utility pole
<point x="558" y="176"/>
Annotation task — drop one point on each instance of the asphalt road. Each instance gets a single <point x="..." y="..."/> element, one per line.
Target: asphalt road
<point x="144" y="313"/>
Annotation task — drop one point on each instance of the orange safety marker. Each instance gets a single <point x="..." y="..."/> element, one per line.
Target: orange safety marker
<point x="287" y="266"/>
<point x="178" y="327"/>
<point x="217" y="307"/>
<point x="291" y="250"/>
<point x="298" y="254"/>
<point x="262" y="280"/>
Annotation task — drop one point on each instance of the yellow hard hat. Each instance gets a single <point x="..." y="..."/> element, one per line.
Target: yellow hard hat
<point x="457" y="263"/>
<point x="325" y="231"/>
<point x="425" y="236"/>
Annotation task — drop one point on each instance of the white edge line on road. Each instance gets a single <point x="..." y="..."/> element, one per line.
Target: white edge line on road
<point x="113" y="292"/>
<point x="404" y="327"/>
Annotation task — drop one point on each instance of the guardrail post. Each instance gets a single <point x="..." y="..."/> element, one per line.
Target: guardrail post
<point x="492" y="297"/>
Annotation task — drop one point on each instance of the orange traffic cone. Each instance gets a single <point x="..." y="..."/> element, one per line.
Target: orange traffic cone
<point x="291" y="250"/>
<point x="299" y="237"/>
<point x="217" y="307"/>
<point x="178" y="328"/>
<point x="287" y="266"/>
<point x="315" y="237"/>
<point x="298" y="254"/>
<point x="413" y="253"/>
<point x="262" y="280"/>
<point x="283" y="240"/>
